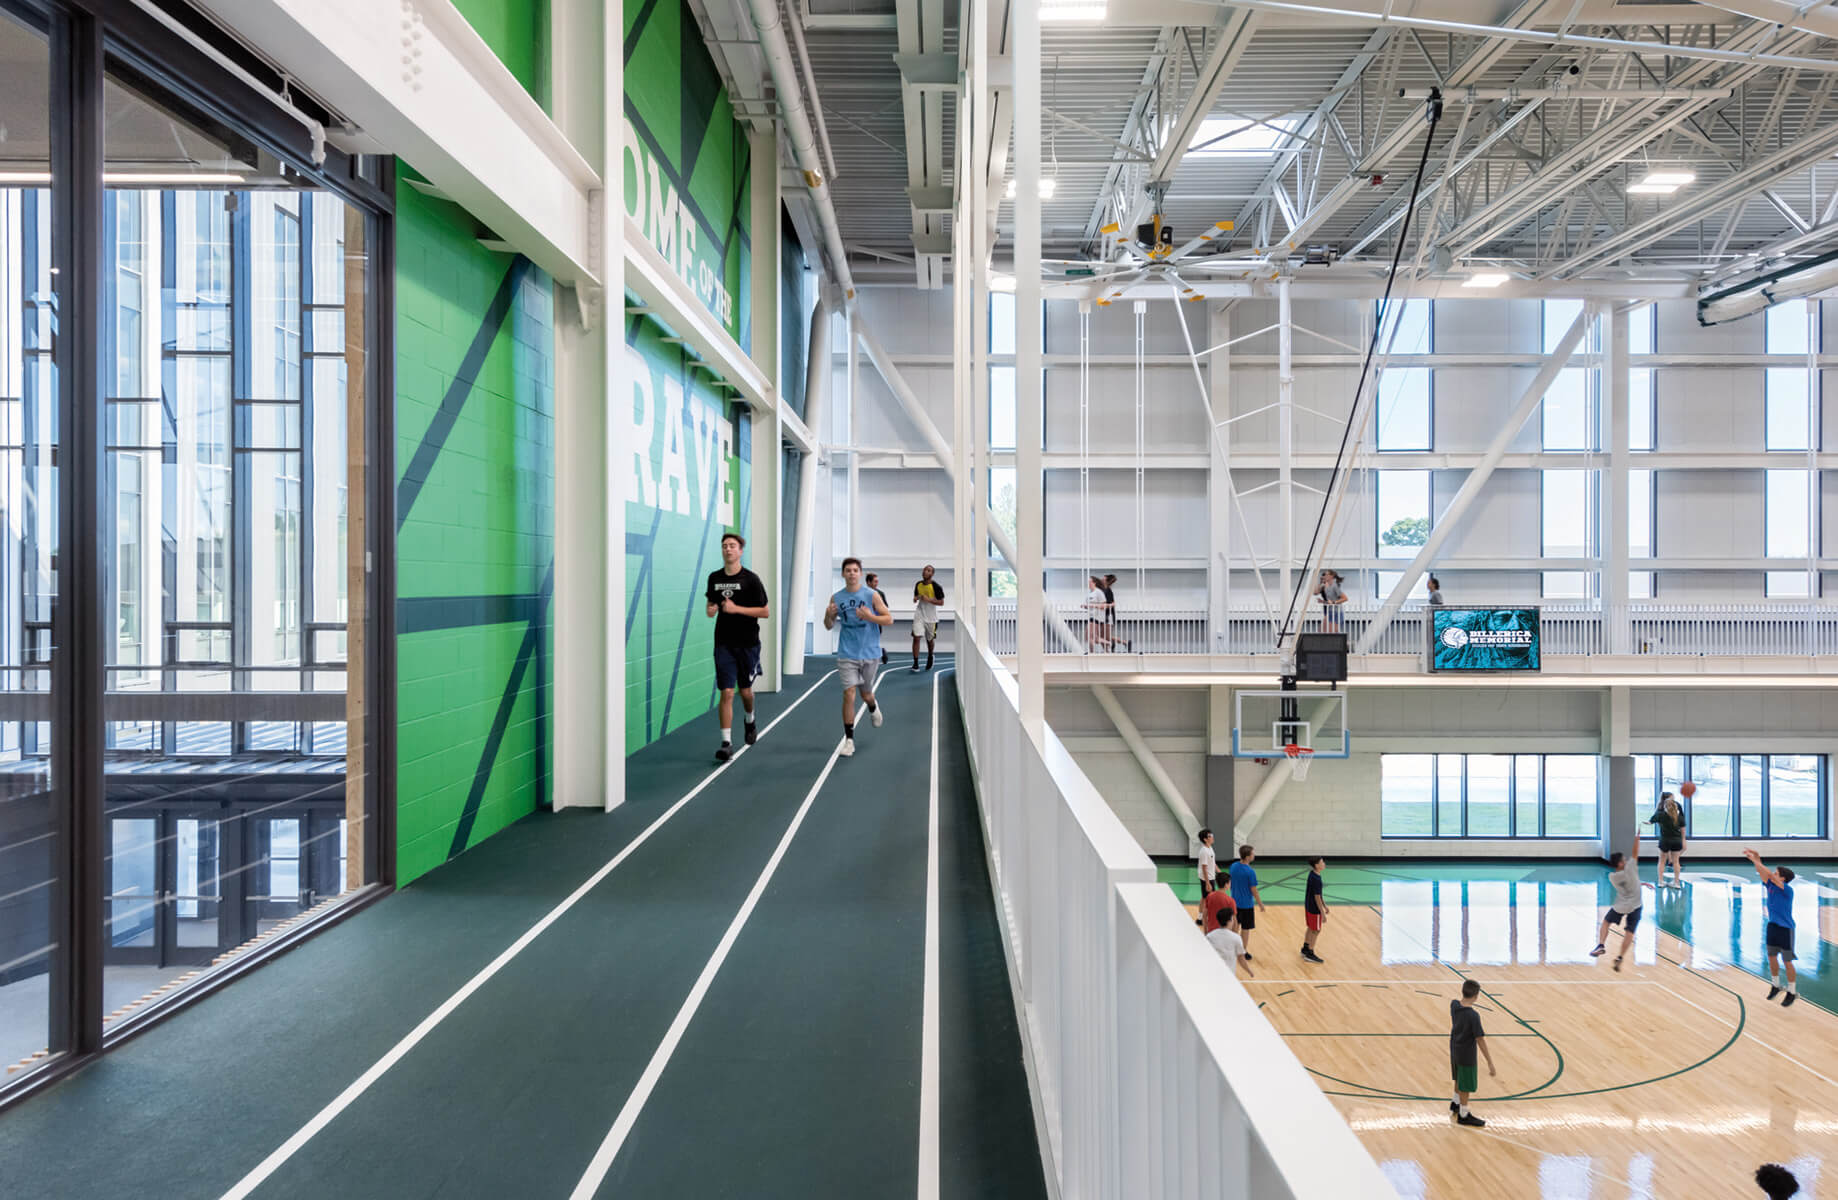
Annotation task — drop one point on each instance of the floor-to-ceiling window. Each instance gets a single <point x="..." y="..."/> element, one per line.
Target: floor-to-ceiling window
<point x="34" y="836"/>
<point x="208" y="470"/>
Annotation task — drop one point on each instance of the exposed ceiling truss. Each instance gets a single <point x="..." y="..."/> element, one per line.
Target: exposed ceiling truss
<point x="1300" y="124"/>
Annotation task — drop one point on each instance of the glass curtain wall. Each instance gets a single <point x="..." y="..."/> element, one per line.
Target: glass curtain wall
<point x="225" y="428"/>
<point x="34" y="838"/>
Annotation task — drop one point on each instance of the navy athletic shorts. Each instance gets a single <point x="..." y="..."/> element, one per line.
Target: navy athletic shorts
<point x="736" y="666"/>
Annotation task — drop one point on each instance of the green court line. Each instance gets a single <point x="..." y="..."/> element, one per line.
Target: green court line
<point x="1280" y="995"/>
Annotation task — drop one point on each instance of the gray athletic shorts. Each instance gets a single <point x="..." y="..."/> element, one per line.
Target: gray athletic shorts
<point x="857" y="673"/>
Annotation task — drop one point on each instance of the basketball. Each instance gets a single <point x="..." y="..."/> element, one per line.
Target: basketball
<point x="1686" y="788"/>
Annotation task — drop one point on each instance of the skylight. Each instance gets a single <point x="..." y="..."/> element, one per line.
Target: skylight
<point x="1240" y="136"/>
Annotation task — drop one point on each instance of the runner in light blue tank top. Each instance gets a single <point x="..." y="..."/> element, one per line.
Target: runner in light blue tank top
<point x="860" y="639"/>
<point x="860" y="613"/>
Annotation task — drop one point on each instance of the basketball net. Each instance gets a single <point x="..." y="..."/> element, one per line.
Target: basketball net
<point x="1299" y="759"/>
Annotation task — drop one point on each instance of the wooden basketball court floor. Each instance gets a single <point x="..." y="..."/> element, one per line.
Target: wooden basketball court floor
<point x="1672" y="1078"/>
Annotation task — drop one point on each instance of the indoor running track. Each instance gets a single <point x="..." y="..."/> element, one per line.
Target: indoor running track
<point x="735" y="1008"/>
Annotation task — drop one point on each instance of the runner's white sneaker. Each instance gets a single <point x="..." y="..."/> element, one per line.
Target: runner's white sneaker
<point x="874" y="717"/>
<point x="848" y="748"/>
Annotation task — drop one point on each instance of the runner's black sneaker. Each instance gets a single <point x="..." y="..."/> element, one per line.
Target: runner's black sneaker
<point x="752" y="733"/>
<point x="1312" y="957"/>
<point x="1471" y="1121"/>
<point x="1789" y="998"/>
<point x="1774" y="991"/>
<point x="726" y="752"/>
<point x="1600" y="950"/>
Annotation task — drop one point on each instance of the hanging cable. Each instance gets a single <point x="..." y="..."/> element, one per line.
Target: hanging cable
<point x="1433" y="108"/>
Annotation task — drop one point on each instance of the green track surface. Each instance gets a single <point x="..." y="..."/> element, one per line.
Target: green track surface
<point x="1721" y="917"/>
<point x="799" y="1076"/>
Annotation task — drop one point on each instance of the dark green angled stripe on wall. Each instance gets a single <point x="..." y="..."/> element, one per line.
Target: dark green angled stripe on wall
<point x="421" y="462"/>
<point x="531" y="649"/>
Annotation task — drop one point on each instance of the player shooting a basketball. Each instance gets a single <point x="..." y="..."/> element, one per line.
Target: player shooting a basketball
<point x="1669" y="817"/>
<point x="1624" y="877"/>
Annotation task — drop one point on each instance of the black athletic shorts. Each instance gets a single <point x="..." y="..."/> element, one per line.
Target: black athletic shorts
<point x="1247" y="917"/>
<point x="736" y="666"/>
<point x="1780" y="937"/>
<point x="1627" y="921"/>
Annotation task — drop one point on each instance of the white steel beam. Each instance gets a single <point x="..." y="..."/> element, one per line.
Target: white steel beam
<point x="1796" y="156"/>
<point x="1472" y="68"/>
<point x="818" y="370"/>
<point x="1547" y="37"/>
<point x="675" y="304"/>
<point x="947" y="461"/>
<point x="1144" y="755"/>
<point x="422" y="83"/>
<point x="1444" y="527"/>
<point x="1231" y="40"/>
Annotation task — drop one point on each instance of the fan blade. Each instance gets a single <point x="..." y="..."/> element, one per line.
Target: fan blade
<point x="1195" y="243"/>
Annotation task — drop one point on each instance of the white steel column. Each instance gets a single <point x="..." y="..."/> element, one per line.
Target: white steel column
<point x="855" y="430"/>
<point x="1030" y="578"/>
<point x="976" y="189"/>
<point x="593" y="454"/>
<point x="1615" y="496"/>
<point x="1218" y="484"/>
<point x="1285" y="434"/>
<point x="817" y="372"/>
<point x="764" y="552"/>
<point x="1445" y="526"/>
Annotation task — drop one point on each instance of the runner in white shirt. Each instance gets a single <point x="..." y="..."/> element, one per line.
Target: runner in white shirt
<point x="1231" y="948"/>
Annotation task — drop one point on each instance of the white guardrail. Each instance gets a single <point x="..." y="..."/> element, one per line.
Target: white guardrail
<point x="1695" y="630"/>
<point x="1154" y="1074"/>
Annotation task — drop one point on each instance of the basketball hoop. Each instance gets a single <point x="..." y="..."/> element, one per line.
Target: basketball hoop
<point x="1299" y="759"/>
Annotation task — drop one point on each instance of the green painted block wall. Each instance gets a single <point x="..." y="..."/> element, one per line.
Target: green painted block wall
<point x="691" y="470"/>
<point x="517" y="32"/>
<point x="475" y="497"/>
<point x="687" y="184"/>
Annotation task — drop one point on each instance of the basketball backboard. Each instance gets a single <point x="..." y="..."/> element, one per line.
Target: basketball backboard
<point x="1263" y="723"/>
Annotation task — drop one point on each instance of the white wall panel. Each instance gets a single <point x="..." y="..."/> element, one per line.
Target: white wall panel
<point x="1709" y="409"/>
<point x="1172" y="416"/>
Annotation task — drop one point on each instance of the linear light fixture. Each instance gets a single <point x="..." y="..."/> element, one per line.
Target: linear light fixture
<point x="41" y="177"/>
<point x="1048" y="186"/>
<point x="1486" y="279"/>
<point x="1089" y="11"/>
<point x="1661" y="183"/>
<point x="1001" y="283"/>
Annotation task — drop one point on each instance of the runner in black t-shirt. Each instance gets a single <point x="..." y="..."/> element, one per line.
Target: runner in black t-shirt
<point x="1466" y="1037"/>
<point x="1314" y="908"/>
<point x="737" y="601"/>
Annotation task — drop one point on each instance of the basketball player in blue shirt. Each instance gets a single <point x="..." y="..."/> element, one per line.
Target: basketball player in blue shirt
<point x="861" y="612"/>
<point x="1780" y="927"/>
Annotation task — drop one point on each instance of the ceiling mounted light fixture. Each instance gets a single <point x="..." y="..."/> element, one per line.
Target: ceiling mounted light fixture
<point x="1486" y="279"/>
<point x="1001" y="283"/>
<point x="1047" y="187"/>
<point x="1089" y="11"/>
<point x="1661" y="183"/>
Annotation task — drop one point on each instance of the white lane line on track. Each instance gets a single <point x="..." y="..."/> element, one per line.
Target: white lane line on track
<point x="615" y="1138"/>
<point x="286" y="1150"/>
<point x="928" y="1038"/>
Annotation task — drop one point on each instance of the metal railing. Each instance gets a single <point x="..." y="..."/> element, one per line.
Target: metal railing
<point x="1154" y="1073"/>
<point x="1570" y="628"/>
